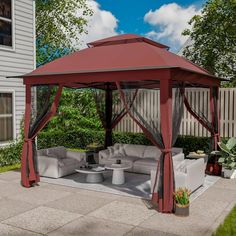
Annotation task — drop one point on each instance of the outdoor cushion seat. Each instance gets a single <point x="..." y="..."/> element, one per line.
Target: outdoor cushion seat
<point x="143" y="158"/>
<point x="57" y="161"/>
<point x="67" y="161"/>
<point x="145" y="165"/>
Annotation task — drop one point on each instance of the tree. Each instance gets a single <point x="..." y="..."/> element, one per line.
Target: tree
<point x="213" y="37"/>
<point x="58" y="26"/>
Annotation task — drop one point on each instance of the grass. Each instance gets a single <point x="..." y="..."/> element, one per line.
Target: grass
<point x="8" y="168"/>
<point x="228" y="228"/>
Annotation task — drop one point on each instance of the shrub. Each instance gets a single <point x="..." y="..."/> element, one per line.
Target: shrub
<point x="80" y="138"/>
<point x="11" y="154"/>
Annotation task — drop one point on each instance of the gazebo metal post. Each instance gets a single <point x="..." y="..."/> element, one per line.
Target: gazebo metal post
<point x="215" y="114"/>
<point x="27" y="146"/>
<point x="108" y="109"/>
<point x="165" y="203"/>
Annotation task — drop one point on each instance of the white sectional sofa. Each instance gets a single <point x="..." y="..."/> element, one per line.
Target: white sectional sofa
<point x="142" y="158"/>
<point x="189" y="174"/>
<point x="57" y="161"/>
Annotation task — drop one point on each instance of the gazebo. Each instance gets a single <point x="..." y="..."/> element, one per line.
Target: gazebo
<point x="123" y="63"/>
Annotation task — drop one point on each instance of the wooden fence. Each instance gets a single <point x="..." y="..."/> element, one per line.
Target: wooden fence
<point x="199" y="99"/>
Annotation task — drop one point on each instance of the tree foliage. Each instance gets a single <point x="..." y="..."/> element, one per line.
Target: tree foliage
<point x="59" y="23"/>
<point x="77" y="109"/>
<point x="213" y="37"/>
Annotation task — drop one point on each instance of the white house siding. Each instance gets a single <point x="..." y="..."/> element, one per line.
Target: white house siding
<point x="21" y="59"/>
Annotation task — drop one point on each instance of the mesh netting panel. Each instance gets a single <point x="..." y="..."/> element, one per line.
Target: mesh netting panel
<point x="118" y="110"/>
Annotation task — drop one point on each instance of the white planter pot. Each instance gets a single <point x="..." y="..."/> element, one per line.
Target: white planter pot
<point x="229" y="174"/>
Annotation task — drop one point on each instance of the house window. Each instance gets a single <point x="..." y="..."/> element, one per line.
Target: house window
<point x="6" y="117"/>
<point x="6" y="23"/>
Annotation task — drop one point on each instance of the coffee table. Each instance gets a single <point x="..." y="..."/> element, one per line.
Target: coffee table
<point x="118" y="176"/>
<point x="93" y="175"/>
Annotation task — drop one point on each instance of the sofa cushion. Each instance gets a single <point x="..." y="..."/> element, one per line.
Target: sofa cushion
<point x="152" y="152"/>
<point x="124" y="159"/>
<point x="176" y="150"/>
<point x="134" y="150"/>
<point x="146" y="161"/>
<point x="67" y="162"/>
<point x="59" y="152"/>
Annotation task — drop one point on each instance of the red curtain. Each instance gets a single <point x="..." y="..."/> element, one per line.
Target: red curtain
<point x="29" y="173"/>
<point x="162" y="198"/>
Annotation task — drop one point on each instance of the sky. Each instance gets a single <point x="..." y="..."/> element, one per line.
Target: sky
<point x="160" y="20"/>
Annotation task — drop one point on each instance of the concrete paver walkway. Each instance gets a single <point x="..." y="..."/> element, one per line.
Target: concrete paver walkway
<point x="55" y="210"/>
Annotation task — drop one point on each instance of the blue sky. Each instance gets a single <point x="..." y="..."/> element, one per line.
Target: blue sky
<point x="160" y="20"/>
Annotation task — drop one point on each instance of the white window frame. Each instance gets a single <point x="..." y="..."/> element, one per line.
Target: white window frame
<point x="5" y="143"/>
<point x="10" y="48"/>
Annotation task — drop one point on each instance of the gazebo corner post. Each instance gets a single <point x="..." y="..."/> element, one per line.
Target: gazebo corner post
<point x="27" y="145"/>
<point x="166" y="200"/>
<point x="108" y="110"/>
<point x="215" y="115"/>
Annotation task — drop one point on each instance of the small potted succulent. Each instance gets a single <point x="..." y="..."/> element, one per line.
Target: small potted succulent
<point x="181" y="200"/>
<point x="228" y="158"/>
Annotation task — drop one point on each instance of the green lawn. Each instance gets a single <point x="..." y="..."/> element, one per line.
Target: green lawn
<point x="11" y="167"/>
<point x="228" y="228"/>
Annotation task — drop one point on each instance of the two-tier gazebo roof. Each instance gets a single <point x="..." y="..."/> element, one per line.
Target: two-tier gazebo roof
<point x="126" y="57"/>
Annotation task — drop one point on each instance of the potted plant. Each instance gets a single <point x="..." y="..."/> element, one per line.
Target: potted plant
<point x="181" y="199"/>
<point x="228" y="158"/>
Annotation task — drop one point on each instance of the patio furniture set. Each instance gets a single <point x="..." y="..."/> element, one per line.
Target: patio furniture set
<point x="58" y="162"/>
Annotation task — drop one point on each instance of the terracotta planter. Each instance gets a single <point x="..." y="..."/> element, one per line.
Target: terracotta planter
<point x="181" y="210"/>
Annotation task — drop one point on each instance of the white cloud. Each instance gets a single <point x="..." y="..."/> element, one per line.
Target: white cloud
<point x="169" y="21"/>
<point x="102" y="24"/>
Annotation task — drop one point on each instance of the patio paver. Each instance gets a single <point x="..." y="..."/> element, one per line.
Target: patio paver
<point x="123" y="212"/>
<point x="138" y="231"/>
<point x="39" y="195"/>
<point x="9" y="208"/>
<point x="80" y="203"/>
<point x="54" y="210"/>
<point x="13" y="231"/>
<point x="42" y="219"/>
<point x="90" y="226"/>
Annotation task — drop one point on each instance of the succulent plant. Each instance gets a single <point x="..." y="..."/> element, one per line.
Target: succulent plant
<point x="228" y="154"/>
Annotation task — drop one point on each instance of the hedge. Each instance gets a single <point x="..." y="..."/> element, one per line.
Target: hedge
<point x="11" y="154"/>
<point x="80" y="138"/>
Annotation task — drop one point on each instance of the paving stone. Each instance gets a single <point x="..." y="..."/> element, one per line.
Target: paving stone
<point x="39" y="195"/>
<point x="193" y="225"/>
<point x="11" y="189"/>
<point x="9" y="208"/>
<point x="98" y="194"/>
<point x="90" y="226"/>
<point x="10" y="176"/>
<point x="59" y="187"/>
<point x="133" y="200"/>
<point x="137" y="231"/>
<point x="42" y="219"/>
<point x="208" y="208"/>
<point x="123" y="212"/>
<point x="13" y="231"/>
<point x="226" y="184"/>
<point x="80" y="203"/>
<point x="218" y="194"/>
<point x="216" y="223"/>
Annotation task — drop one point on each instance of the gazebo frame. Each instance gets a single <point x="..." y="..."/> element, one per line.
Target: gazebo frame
<point x="109" y="77"/>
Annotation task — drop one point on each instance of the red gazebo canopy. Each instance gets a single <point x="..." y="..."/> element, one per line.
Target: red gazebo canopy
<point x="127" y="57"/>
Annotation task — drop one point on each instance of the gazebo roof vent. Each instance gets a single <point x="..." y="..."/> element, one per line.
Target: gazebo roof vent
<point x="123" y="39"/>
